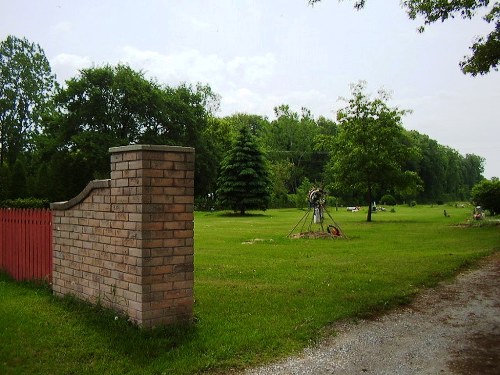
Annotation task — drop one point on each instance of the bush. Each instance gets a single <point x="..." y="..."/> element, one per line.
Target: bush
<point x="281" y="201"/>
<point x="388" y="199"/>
<point x="487" y="194"/>
<point x="25" y="203"/>
<point x="205" y="203"/>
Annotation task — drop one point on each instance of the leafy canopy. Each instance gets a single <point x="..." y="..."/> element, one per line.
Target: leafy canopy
<point x="487" y="194"/>
<point x="112" y="106"/>
<point x="26" y="88"/>
<point x="371" y="147"/>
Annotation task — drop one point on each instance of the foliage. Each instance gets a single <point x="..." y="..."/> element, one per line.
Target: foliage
<point x="113" y="106"/>
<point x="388" y="199"/>
<point x="487" y="194"/>
<point x="26" y="89"/>
<point x="371" y="148"/>
<point x="485" y="50"/>
<point x="25" y="203"/>
<point x="4" y="181"/>
<point x="255" y="301"/>
<point x="280" y="172"/>
<point x="220" y="135"/>
<point x="66" y="135"/>
<point x="443" y="170"/>
<point x="291" y="137"/>
<point x="301" y="198"/>
<point x="18" y="181"/>
<point x="244" y="180"/>
<point x="257" y="124"/>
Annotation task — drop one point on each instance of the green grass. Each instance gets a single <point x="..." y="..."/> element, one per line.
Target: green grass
<point x="259" y="295"/>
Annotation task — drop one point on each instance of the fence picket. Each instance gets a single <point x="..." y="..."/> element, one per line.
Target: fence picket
<point x="26" y="243"/>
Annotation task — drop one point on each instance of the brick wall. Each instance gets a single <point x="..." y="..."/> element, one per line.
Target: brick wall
<point x="127" y="242"/>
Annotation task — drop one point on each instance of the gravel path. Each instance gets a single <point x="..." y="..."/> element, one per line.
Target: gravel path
<point x="451" y="329"/>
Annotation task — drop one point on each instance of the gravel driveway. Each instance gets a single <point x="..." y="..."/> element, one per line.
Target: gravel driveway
<point x="451" y="329"/>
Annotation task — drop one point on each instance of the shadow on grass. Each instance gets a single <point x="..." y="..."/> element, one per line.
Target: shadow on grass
<point x="104" y="327"/>
<point x="142" y="345"/>
<point x="392" y="221"/>
<point x="237" y="214"/>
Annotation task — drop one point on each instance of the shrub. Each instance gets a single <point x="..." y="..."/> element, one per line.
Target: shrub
<point x="388" y="199"/>
<point x="25" y="203"/>
<point x="281" y="201"/>
<point x="205" y="203"/>
<point x="487" y="194"/>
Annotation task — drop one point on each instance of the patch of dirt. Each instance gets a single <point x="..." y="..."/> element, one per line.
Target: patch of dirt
<point x="314" y="235"/>
<point x="451" y="329"/>
<point x="480" y="355"/>
<point x="255" y="240"/>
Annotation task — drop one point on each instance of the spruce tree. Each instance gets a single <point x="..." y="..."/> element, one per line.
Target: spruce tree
<point x="244" y="180"/>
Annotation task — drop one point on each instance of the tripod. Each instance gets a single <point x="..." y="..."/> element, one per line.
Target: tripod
<point x="318" y="209"/>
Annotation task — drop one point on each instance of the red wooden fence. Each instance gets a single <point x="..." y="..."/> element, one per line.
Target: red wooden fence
<point x="26" y="243"/>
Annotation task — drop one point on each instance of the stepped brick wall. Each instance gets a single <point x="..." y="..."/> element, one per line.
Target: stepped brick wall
<point x="127" y="242"/>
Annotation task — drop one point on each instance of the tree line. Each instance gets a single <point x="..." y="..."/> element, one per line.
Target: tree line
<point x="55" y="138"/>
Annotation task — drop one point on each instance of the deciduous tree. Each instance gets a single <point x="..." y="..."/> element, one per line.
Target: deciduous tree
<point x="291" y="137"/>
<point x="112" y="106"/>
<point x="371" y="147"/>
<point x="26" y="89"/>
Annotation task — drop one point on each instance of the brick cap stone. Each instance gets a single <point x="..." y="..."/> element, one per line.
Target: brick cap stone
<point x="96" y="184"/>
<point x="163" y="148"/>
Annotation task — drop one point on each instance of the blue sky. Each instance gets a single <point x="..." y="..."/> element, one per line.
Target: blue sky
<point x="260" y="54"/>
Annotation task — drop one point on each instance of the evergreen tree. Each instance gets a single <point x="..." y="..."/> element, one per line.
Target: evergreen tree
<point x="244" y="181"/>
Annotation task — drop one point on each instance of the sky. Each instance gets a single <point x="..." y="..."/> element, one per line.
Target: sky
<point x="259" y="54"/>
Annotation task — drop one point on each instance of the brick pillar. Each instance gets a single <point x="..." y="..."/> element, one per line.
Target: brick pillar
<point x="152" y="190"/>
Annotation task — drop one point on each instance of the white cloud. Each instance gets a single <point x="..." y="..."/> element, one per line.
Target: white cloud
<point x="188" y="65"/>
<point x="191" y="65"/>
<point x="254" y="69"/>
<point x="255" y="102"/>
<point x="67" y="65"/>
<point x="198" y="24"/>
<point x="62" y="27"/>
<point x="235" y="79"/>
<point x="242" y="100"/>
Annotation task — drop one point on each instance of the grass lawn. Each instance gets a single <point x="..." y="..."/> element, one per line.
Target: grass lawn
<point x="259" y="295"/>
